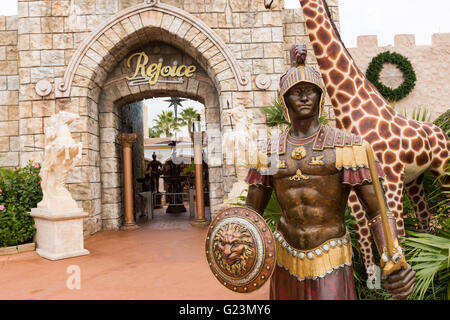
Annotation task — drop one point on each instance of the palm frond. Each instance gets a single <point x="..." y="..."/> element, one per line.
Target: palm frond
<point x="188" y="115"/>
<point x="429" y="256"/>
<point x="274" y="115"/>
<point x="166" y="122"/>
<point x="272" y="212"/>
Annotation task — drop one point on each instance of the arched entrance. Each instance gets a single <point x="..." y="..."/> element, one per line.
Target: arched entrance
<point x="118" y="113"/>
<point x="96" y="84"/>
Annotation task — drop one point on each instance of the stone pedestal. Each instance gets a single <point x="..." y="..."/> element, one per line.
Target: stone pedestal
<point x="59" y="235"/>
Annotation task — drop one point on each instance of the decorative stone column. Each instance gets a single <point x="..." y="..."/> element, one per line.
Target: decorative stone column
<point x="198" y="162"/>
<point x="127" y="140"/>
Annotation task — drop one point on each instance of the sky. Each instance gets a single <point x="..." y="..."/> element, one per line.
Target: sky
<point x="384" y="18"/>
<point x="157" y="105"/>
<point x="8" y="8"/>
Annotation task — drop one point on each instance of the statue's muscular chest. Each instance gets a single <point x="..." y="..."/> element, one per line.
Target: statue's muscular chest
<point x="301" y="162"/>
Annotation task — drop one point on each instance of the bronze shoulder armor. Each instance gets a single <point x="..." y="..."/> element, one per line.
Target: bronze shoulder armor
<point x="329" y="137"/>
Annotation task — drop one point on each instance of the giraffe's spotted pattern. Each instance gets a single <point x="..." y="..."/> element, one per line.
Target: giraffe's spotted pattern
<point x="405" y="147"/>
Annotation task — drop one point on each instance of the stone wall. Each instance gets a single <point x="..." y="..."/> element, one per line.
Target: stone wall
<point x="430" y="63"/>
<point x="9" y="93"/>
<point x="260" y="40"/>
<point x="116" y="115"/>
<point x="228" y="39"/>
<point x="50" y="31"/>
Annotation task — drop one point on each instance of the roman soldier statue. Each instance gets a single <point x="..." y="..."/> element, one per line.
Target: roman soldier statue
<point x="316" y="166"/>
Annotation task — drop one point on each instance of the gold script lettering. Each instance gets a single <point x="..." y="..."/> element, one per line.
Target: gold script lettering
<point x="181" y="70"/>
<point x="173" y="71"/>
<point x="153" y="72"/>
<point x="190" y="71"/>
<point x="140" y="65"/>
<point x="165" y="71"/>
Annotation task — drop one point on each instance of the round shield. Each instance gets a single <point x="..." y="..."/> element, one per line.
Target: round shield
<point x="240" y="249"/>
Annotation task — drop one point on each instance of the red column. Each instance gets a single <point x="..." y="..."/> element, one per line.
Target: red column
<point x="199" y="195"/>
<point x="127" y="140"/>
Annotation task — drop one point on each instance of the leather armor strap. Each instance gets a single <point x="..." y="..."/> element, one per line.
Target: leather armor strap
<point x="376" y="229"/>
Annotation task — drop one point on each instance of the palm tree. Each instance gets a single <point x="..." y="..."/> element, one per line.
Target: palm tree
<point x="188" y="116"/>
<point x="166" y="123"/>
<point x="154" y="132"/>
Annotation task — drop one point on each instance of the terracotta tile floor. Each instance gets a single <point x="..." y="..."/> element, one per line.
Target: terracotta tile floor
<point x="164" y="259"/>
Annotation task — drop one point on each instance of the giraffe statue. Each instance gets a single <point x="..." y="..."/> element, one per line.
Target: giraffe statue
<point x="405" y="148"/>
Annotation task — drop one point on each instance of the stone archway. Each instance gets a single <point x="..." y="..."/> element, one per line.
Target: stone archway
<point x="84" y="90"/>
<point x="117" y="93"/>
<point x="153" y="20"/>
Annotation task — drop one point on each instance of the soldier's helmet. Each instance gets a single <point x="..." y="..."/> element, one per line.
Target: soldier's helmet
<point x="299" y="72"/>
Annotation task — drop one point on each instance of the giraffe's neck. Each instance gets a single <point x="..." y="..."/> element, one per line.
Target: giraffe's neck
<point x="349" y="90"/>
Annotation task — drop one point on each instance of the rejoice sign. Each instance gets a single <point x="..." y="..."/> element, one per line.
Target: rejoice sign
<point x="145" y="72"/>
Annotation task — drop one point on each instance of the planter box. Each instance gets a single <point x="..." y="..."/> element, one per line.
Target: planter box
<point x="17" y="249"/>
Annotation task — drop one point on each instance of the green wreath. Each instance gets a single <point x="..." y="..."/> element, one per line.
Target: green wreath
<point x="403" y="64"/>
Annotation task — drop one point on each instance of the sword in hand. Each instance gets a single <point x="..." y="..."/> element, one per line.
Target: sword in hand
<point x="392" y="257"/>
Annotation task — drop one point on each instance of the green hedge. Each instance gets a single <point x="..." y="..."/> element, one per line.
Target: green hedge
<point x="20" y="191"/>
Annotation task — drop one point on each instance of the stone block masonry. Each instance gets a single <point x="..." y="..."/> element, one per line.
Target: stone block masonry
<point x="430" y="62"/>
<point x="230" y="41"/>
<point x="241" y="51"/>
<point x="9" y="93"/>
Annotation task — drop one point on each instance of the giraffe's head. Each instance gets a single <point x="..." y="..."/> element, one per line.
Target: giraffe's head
<point x="272" y="4"/>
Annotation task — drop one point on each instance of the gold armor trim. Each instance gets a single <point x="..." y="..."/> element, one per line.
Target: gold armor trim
<point x="317" y="161"/>
<point x="298" y="153"/>
<point x="281" y="164"/>
<point x="259" y="185"/>
<point x="351" y="157"/>
<point x="262" y="161"/>
<point x="298" y="176"/>
<point x="301" y="141"/>
<point x="315" y="263"/>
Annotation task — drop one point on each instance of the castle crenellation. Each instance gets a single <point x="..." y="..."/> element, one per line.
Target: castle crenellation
<point x="403" y="40"/>
<point x="432" y="88"/>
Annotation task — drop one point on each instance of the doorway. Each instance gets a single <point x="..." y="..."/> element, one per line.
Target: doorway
<point x="124" y="107"/>
<point x="163" y="158"/>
